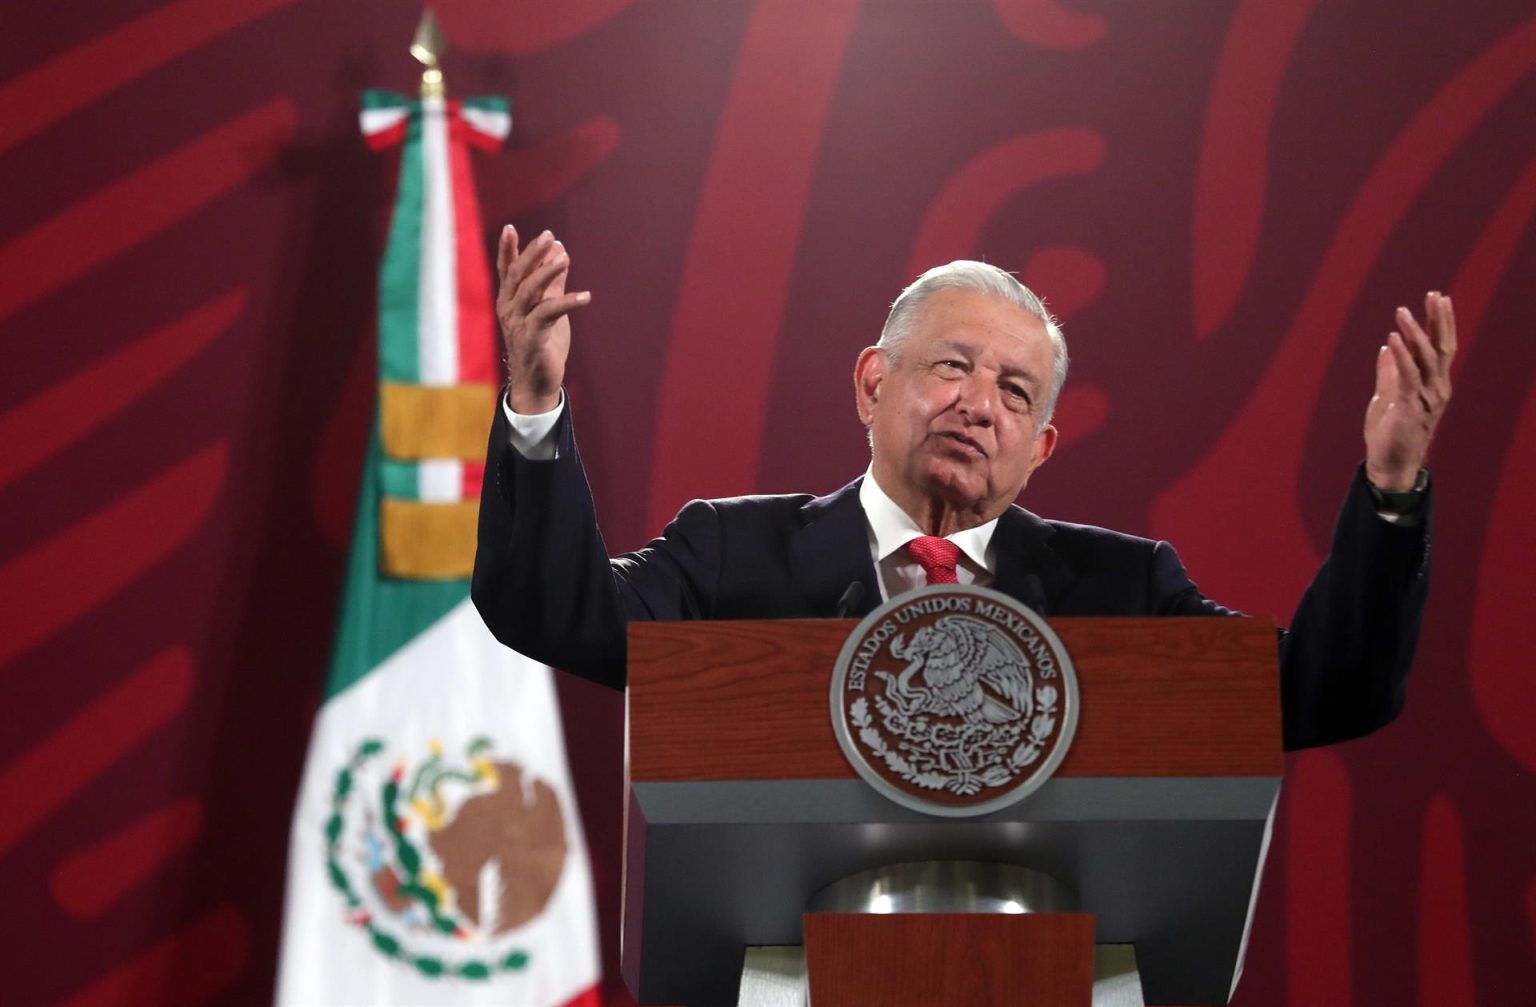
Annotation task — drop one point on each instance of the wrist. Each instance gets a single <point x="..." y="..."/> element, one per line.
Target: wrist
<point x="1399" y="501"/>
<point x="532" y="402"/>
<point x="1395" y="481"/>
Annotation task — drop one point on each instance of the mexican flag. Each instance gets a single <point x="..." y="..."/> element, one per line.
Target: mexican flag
<point x="436" y="855"/>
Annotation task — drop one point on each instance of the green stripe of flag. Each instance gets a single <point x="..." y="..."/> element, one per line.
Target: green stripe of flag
<point x="400" y="273"/>
<point x="379" y="614"/>
<point x="375" y="99"/>
<point x="400" y="480"/>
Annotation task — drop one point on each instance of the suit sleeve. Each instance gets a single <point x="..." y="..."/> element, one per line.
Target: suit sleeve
<point x="1345" y="659"/>
<point x="543" y="581"/>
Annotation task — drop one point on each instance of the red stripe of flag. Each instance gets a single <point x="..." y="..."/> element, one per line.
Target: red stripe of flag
<point x="477" y="355"/>
<point x="474" y="474"/>
<point x="389" y="136"/>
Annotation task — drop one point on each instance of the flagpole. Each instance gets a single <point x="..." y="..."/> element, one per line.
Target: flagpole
<point x="427" y="46"/>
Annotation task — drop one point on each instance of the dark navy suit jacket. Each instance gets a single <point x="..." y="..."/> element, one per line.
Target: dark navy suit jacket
<point x="545" y="585"/>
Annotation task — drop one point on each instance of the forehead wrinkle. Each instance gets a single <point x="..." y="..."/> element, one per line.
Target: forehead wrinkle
<point x="954" y="344"/>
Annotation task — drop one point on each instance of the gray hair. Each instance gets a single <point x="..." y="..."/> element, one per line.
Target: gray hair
<point x="983" y="278"/>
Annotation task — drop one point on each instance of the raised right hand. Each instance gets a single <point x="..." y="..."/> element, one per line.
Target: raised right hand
<point x="1413" y="387"/>
<point x="534" y="310"/>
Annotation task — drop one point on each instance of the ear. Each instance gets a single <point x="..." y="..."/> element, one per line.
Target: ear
<point x="868" y="374"/>
<point x="1044" y="447"/>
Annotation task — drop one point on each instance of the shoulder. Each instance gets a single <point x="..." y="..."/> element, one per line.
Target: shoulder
<point x="778" y="509"/>
<point x="1088" y="570"/>
<point x="1090" y="550"/>
<point x="1093" y="537"/>
<point x="1071" y="537"/>
<point x="754" y="513"/>
<point x="762" y="503"/>
<point x="759" y="505"/>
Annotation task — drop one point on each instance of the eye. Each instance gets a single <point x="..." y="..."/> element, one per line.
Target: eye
<point x="1017" y="396"/>
<point x="951" y="366"/>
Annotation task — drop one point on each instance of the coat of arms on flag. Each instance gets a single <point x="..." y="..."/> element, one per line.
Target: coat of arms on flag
<point x="441" y="860"/>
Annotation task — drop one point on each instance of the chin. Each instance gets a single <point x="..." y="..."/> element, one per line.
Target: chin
<point x="959" y="489"/>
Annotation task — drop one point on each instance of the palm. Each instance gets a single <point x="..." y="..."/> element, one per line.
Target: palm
<point x="533" y="310"/>
<point x="1413" y="386"/>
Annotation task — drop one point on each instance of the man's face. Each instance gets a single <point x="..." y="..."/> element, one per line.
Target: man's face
<point x="956" y="421"/>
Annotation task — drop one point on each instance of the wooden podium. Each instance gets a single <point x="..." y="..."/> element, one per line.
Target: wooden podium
<point x="741" y="806"/>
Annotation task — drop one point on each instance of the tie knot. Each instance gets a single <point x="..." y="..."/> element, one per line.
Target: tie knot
<point x="937" y="557"/>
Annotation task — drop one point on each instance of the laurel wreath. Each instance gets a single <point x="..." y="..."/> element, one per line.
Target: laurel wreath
<point x="409" y="858"/>
<point x="1041" y="725"/>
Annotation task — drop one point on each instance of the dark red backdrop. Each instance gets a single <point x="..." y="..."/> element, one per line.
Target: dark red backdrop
<point x="1224" y="201"/>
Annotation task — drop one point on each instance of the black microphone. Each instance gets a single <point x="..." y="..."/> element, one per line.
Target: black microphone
<point x="853" y="595"/>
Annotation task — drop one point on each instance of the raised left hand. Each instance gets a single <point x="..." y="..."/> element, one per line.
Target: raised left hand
<point x="1413" y="386"/>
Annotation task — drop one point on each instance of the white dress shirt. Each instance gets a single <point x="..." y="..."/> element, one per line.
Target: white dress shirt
<point x="891" y="528"/>
<point x="533" y="435"/>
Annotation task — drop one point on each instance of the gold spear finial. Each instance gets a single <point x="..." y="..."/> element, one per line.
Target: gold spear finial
<point x="426" y="47"/>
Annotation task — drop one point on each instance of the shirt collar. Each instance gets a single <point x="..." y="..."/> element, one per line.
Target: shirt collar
<point x="891" y="528"/>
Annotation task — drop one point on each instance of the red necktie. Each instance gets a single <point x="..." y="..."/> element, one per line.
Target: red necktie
<point x="937" y="557"/>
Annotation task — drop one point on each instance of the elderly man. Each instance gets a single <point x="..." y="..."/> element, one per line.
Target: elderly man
<point x="957" y="396"/>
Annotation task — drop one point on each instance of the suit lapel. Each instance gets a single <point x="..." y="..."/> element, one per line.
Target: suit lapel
<point x="832" y="551"/>
<point x="1027" y="567"/>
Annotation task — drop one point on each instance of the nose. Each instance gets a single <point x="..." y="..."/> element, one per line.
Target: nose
<point x="978" y="399"/>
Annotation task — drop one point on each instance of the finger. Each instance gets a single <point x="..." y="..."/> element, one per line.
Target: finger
<point x="1440" y="320"/>
<point x="1425" y="356"/>
<point x="1434" y="328"/>
<point x="530" y="257"/>
<point x="506" y="251"/>
<point x="532" y="290"/>
<point x="1386" y="373"/>
<point x="551" y="308"/>
<point x="528" y="286"/>
<point x="1442" y="323"/>
<point x="557" y="285"/>
<point x="1408" y="380"/>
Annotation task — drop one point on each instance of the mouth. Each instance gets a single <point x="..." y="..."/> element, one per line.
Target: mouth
<point x="963" y="445"/>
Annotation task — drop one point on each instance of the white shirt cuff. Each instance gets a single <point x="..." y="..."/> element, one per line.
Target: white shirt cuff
<point x="533" y="437"/>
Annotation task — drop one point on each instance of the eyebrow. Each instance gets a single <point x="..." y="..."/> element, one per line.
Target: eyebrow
<point x="969" y="351"/>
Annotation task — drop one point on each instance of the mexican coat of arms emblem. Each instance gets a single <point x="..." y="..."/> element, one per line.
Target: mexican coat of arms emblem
<point x="954" y="701"/>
